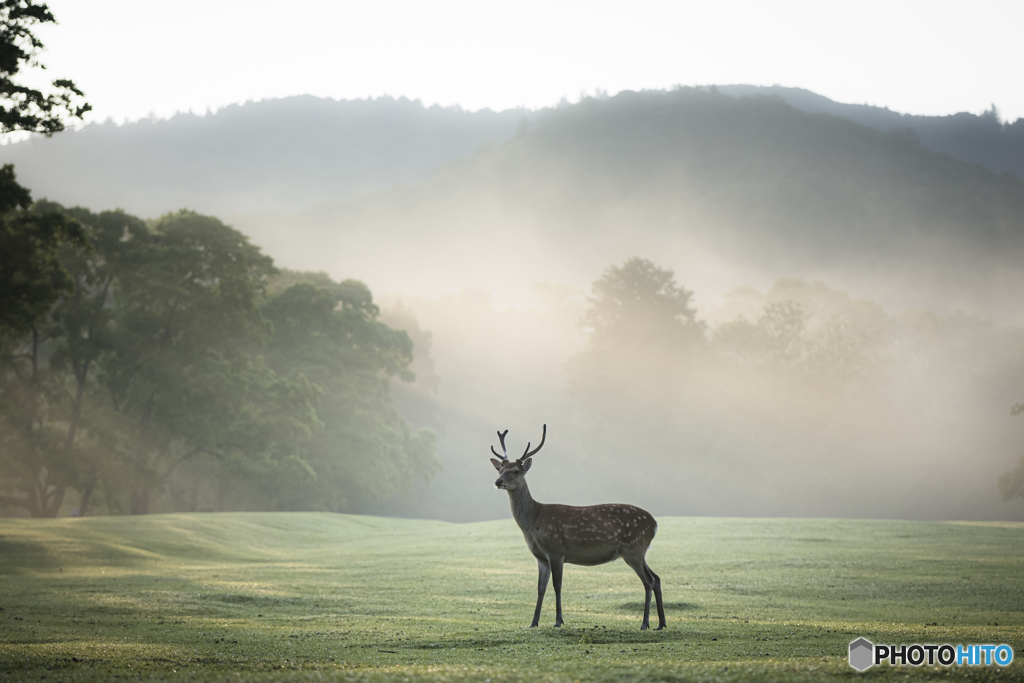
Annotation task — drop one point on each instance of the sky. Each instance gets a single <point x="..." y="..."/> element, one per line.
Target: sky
<point x="138" y="59"/>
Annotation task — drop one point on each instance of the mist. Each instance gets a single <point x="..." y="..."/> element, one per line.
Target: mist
<point x="851" y="340"/>
<point x="842" y="410"/>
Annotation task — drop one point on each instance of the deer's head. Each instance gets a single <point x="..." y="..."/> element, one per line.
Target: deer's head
<point x="511" y="472"/>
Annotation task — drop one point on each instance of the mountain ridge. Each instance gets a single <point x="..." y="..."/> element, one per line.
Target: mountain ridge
<point x="981" y="139"/>
<point x="291" y="153"/>
<point x="700" y="179"/>
<point x="277" y="154"/>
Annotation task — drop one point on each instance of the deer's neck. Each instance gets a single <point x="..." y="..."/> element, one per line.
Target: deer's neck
<point x="524" y="507"/>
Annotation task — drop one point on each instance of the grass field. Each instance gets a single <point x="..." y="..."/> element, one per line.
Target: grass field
<point x="298" y="596"/>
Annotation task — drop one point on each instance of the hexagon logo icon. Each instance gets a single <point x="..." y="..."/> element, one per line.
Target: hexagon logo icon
<point x="862" y="654"/>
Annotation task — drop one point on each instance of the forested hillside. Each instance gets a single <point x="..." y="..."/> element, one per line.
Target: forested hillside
<point x="290" y="153"/>
<point x="281" y="154"/>
<point x="981" y="139"/>
<point x="716" y="185"/>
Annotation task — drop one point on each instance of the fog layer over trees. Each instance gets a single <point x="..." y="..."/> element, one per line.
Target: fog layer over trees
<point x="175" y="368"/>
<point x="796" y="400"/>
<point x="730" y="191"/>
<point x="718" y="305"/>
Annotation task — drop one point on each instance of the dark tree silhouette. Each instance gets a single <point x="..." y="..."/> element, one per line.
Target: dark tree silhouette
<point x="32" y="275"/>
<point x="22" y="107"/>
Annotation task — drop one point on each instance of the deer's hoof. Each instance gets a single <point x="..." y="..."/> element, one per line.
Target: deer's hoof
<point x="558" y="625"/>
<point x="644" y="627"/>
<point x="533" y="625"/>
<point x="660" y="627"/>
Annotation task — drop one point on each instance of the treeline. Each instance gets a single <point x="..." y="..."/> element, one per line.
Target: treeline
<point x="277" y="154"/>
<point x="688" y="174"/>
<point x="983" y="139"/>
<point x="169" y="365"/>
<point x="770" y="174"/>
<point x="800" y="400"/>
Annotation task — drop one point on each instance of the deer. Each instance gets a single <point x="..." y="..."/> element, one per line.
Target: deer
<point x="585" y="535"/>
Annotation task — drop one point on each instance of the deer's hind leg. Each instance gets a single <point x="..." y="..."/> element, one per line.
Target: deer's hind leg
<point x="634" y="557"/>
<point x="656" y="585"/>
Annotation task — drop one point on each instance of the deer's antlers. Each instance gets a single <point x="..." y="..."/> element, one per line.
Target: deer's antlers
<point x="529" y="453"/>
<point x="501" y="437"/>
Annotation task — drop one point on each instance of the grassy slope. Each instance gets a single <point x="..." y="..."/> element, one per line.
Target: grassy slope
<point x="296" y="596"/>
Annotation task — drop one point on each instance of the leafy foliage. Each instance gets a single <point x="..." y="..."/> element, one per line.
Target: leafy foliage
<point x="643" y="331"/>
<point x="1011" y="483"/>
<point x="22" y="107"/>
<point x="639" y="299"/>
<point x="32" y="402"/>
<point x="188" y="316"/>
<point x="147" y="376"/>
<point x="366" y="453"/>
<point x="787" y="390"/>
<point x="32" y="275"/>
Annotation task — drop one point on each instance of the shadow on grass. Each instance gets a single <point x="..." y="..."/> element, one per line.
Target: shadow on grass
<point x="546" y="634"/>
<point x="639" y="606"/>
<point x="259" y="600"/>
<point x="22" y="556"/>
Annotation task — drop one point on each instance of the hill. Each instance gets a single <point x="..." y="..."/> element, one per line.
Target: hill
<point x="288" y="154"/>
<point x="282" y="154"/>
<point x="301" y="596"/>
<point x="980" y="139"/>
<point x="724" y="189"/>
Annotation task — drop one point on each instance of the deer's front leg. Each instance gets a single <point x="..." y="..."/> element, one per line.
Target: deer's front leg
<point x="556" y="575"/>
<point x="542" y="585"/>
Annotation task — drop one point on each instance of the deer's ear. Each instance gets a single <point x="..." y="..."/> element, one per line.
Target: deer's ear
<point x="496" y="463"/>
<point x="526" y="465"/>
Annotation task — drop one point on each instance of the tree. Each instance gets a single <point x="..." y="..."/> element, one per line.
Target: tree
<point x="640" y="301"/>
<point x="367" y="452"/>
<point x="36" y="469"/>
<point x="805" y="333"/>
<point x="776" y="337"/>
<point x="84" y="318"/>
<point x="644" y="335"/>
<point x="1011" y="483"/>
<point x="183" y="372"/>
<point x="32" y="278"/>
<point x="22" y="107"/>
<point x="32" y="275"/>
<point x="147" y="375"/>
